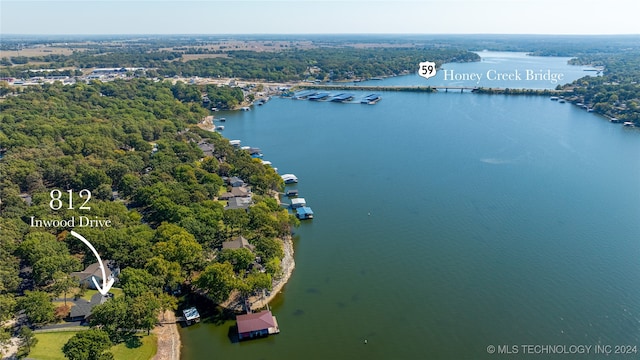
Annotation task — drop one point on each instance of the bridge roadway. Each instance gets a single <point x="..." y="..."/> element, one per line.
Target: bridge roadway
<point x="388" y="88"/>
<point x="492" y="90"/>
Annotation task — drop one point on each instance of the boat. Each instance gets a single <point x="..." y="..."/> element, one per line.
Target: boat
<point x="553" y="98"/>
<point x="234" y="143"/>
<point x="222" y="119"/>
<point x="562" y="101"/>
<point x="289" y="178"/>
<point x="628" y="123"/>
<point x="220" y="127"/>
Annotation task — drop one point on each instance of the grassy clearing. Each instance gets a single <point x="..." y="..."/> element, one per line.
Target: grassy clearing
<point x="146" y="350"/>
<point x="49" y="347"/>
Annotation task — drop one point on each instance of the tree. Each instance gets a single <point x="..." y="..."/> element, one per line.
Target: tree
<point x="167" y="273"/>
<point x="37" y="307"/>
<point x="144" y="309"/>
<point x="176" y="244"/>
<point x="113" y="317"/>
<point x="239" y="258"/>
<point x="7" y="306"/>
<point x="217" y="280"/>
<point x="167" y="302"/>
<point x="27" y="340"/>
<point x="88" y="345"/>
<point x="136" y="282"/>
<point x="62" y="282"/>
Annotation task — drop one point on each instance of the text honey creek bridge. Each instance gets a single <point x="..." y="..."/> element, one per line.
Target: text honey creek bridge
<point x="414" y="88"/>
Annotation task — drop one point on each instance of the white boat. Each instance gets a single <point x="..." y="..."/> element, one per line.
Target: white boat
<point x="289" y="178"/>
<point x="234" y="142"/>
<point x="265" y="162"/>
<point x="220" y="128"/>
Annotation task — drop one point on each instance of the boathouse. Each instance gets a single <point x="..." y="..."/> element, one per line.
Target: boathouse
<point x="298" y="202"/>
<point x="256" y="325"/>
<point x="304" y="213"/>
<point x="191" y="315"/>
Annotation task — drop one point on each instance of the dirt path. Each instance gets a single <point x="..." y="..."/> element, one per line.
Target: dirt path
<point x="168" y="338"/>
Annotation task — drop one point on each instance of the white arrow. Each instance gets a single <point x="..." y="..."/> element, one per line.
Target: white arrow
<point x="106" y="285"/>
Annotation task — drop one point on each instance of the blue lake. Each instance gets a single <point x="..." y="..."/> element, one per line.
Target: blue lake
<point x="447" y="223"/>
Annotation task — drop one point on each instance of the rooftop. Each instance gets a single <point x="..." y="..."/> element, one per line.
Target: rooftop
<point x="255" y="322"/>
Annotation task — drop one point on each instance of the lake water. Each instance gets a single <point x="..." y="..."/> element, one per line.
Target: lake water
<point x="447" y="223"/>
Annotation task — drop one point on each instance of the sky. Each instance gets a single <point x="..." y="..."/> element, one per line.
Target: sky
<point x="319" y="17"/>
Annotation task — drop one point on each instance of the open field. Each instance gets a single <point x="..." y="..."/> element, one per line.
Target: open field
<point x="49" y="347"/>
<point x="37" y="51"/>
<point x="187" y="57"/>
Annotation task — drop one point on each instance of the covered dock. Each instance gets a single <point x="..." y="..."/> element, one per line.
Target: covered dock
<point x="371" y="99"/>
<point x="304" y="94"/>
<point x="319" y="96"/>
<point x="304" y="213"/>
<point x="342" y="97"/>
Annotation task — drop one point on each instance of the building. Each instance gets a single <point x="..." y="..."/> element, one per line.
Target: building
<point x="82" y="309"/>
<point x="206" y="147"/>
<point x="93" y="270"/>
<point x="191" y="315"/>
<point x="298" y="202"/>
<point x="238" y="243"/>
<point x="238" y="203"/>
<point x="238" y="191"/>
<point x="235" y="181"/>
<point x="304" y="213"/>
<point x="256" y="325"/>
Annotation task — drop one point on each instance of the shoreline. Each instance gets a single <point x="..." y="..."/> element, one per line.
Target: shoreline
<point x="235" y="301"/>
<point x="288" y="264"/>
<point x="169" y="344"/>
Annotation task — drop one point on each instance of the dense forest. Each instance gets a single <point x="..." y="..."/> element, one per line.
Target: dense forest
<point x="285" y="65"/>
<point x="136" y="147"/>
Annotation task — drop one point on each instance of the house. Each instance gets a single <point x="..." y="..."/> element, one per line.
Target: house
<point x="94" y="271"/>
<point x="241" y="191"/>
<point x="236" y="181"/>
<point x="238" y="203"/>
<point x="82" y="309"/>
<point x="238" y="243"/>
<point x="206" y="147"/>
<point x="256" y="325"/>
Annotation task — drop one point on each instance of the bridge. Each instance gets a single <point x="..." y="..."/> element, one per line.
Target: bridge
<point x="374" y="88"/>
<point x="415" y="88"/>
